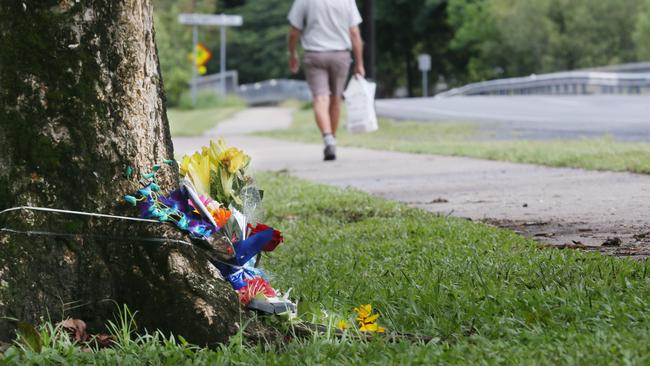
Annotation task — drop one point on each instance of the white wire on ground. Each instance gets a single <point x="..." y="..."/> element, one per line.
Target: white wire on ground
<point x="82" y="213"/>
<point x="34" y="208"/>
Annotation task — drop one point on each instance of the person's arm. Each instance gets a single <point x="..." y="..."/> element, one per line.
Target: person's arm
<point x="294" y="62"/>
<point x="357" y="50"/>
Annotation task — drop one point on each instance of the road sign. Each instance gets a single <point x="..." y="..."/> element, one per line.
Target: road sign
<point x="222" y="20"/>
<point x="200" y="58"/>
<point x="424" y="62"/>
<point x="203" y="55"/>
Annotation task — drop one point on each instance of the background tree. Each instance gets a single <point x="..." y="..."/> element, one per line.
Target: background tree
<point x="174" y="41"/>
<point x="258" y="49"/>
<point x="505" y="38"/>
<point x="82" y="99"/>
<point x="641" y="34"/>
<point x="406" y="28"/>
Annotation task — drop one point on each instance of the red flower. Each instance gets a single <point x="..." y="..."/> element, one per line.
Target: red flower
<point x="275" y="241"/>
<point x="253" y="287"/>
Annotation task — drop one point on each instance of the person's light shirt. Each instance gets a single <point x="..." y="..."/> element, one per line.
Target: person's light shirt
<point x="325" y="24"/>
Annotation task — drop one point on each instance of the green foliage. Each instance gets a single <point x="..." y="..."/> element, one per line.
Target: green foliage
<point x="512" y="38"/>
<point x="195" y="122"/>
<point x="641" y="34"/>
<point x="258" y="49"/>
<point x="209" y="99"/>
<point x="406" y="28"/>
<point x="28" y="337"/>
<point x="174" y="42"/>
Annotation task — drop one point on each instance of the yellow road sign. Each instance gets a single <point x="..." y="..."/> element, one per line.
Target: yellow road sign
<point x="203" y="55"/>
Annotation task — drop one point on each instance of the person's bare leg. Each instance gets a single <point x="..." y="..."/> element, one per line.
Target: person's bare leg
<point x="335" y="112"/>
<point x="322" y="112"/>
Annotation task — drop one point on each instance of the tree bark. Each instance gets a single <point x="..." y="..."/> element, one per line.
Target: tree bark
<point x="81" y="99"/>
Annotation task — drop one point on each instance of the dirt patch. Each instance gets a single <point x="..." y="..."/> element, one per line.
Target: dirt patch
<point x="608" y="239"/>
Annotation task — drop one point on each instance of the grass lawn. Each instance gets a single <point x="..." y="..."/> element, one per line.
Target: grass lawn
<point x="194" y="122"/>
<point x="464" y="139"/>
<point x="488" y="296"/>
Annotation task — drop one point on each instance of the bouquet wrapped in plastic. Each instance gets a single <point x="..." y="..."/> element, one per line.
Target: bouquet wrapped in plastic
<point x="219" y="205"/>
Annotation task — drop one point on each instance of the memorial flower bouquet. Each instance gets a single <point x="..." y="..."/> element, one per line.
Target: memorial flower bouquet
<point x="217" y="202"/>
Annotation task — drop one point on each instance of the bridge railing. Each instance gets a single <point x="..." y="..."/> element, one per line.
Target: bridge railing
<point x="213" y="82"/>
<point x="274" y="90"/>
<point x="570" y="82"/>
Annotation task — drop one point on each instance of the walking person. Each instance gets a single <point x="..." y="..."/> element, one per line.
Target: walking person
<point x="328" y="30"/>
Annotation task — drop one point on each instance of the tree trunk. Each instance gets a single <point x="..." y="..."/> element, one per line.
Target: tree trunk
<point x="81" y="100"/>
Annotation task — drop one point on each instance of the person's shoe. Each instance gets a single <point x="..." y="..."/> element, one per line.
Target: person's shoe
<point x="329" y="152"/>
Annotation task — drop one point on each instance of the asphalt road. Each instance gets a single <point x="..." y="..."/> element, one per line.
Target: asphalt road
<point x="533" y="117"/>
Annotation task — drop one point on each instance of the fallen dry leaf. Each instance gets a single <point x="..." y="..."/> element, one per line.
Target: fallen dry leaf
<point x="77" y="328"/>
<point x="103" y="340"/>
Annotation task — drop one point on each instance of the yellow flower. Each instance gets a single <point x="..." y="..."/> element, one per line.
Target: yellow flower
<point x="367" y="320"/>
<point x="342" y="325"/>
<point x="363" y="311"/>
<point x="216" y="148"/>
<point x="233" y="159"/>
<point x="185" y="164"/>
<point x="372" y="327"/>
<point x="197" y="168"/>
<point x="224" y="165"/>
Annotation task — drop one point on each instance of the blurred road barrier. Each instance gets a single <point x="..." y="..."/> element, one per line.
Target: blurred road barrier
<point x="274" y="90"/>
<point x="560" y="83"/>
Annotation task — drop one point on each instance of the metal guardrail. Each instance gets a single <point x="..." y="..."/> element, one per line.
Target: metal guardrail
<point x="567" y="83"/>
<point x="274" y="90"/>
<point x="213" y="82"/>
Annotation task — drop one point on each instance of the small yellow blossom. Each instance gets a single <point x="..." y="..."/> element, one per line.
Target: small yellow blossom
<point x="363" y="311"/>
<point x="233" y="159"/>
<point x="342" y="325"/>
<point x="197" y="167"/>
<point x="367" y="320"/>
<point x="372" y="327"/>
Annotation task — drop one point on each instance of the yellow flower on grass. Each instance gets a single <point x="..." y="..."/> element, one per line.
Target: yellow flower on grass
<point x="367" y="320"/>
<point x="342" y="325"/>
<point x="363" y="311"/>
<point x="370" y="319"/>
<point x="372" y="327"/>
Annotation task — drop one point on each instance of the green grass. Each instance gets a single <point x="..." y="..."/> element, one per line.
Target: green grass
<point x="188" y="120"/>
<point x="195" y="122"/>
<point x="488" y="295"/>
<point x="465" y="139"/>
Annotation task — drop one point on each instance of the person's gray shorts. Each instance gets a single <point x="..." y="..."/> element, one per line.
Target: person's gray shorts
<point x="326" y="72"/>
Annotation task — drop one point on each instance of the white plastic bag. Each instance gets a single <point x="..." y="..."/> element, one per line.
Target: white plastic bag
<point x="360" y="103"/>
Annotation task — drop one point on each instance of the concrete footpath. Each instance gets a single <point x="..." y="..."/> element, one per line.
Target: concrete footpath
<point x="558" y="206"/>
